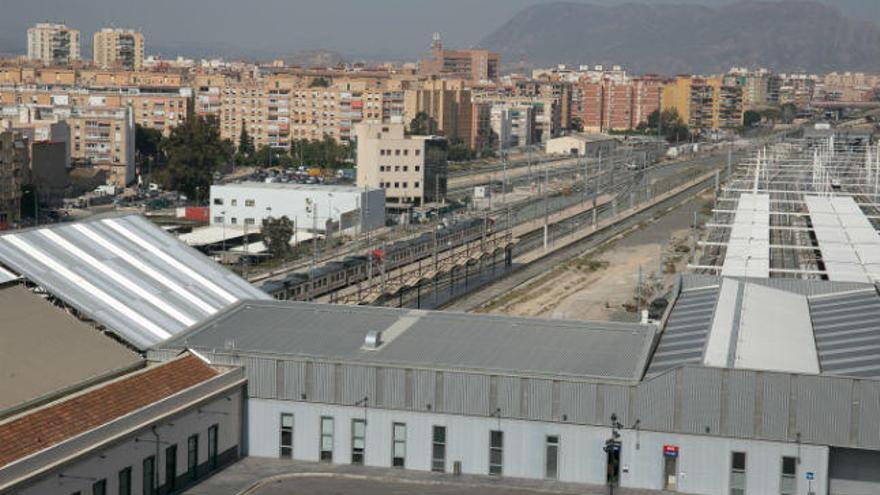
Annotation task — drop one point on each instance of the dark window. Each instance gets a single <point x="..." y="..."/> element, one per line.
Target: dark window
<point x="125" y="481"/>
<point x="149" y="478"/>
<point x="398" y="451"/>
<point x="496" y="452"/>
<point x="438" y="449"/>
<point x="286" y="435"/>
<point x="192" y="456"/>
<point x="99" y="487"/>
<point x="171" y="468"/>
<point x="358" y="440"/>
<point x="551" y="469"/>
<point x="326" y="439"/>
<point x="788" y="484"/>
<point x="212" y="446"/>
<point x="738" y="473"/>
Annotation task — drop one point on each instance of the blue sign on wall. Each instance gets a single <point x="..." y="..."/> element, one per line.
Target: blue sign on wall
<point x="810" y="476"/>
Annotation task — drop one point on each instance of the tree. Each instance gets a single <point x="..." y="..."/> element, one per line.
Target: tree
<point x="245" y="152"/>
<point x="319" y="82"/>
<point x="788" y="113"/>
<point x="267" y="156"/>
<point x="323" y="153"/>
<point x="276" y="235"/>
<point x="146" y="146"/>
<point x="672" y="126"/>
<point x="420" y="125"/>
<point x="459" y="152"/>
<point x="193" y="152"/>
<point x="751" y="118"/>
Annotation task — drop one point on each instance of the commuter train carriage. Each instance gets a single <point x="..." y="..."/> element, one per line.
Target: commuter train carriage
<point x="334" y="275"/>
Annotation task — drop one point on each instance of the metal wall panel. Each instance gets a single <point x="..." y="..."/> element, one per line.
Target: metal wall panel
<point x="655" y="402"/>
<point x="466" y="393"/>
<point x="424" y="390"/>
<point x="701" y="400"/>
<point x="292" y="382"/>
<point x="393" y="388"/>
<point x="358" y="382"/>
<point x="577" y="402"/>
<point x="740" y="404"/>
<point x="869" y="414"/>
<point x="324" y="386"/>
<point x="616" y="401"/>
<point x="540" y="399"/>
<point x="508" y="397"/>
<point x="261" y="377"/>
<point x="774" y="413"/>
<point x="823" y="409"/>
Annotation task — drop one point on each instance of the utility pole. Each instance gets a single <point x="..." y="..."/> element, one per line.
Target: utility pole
<point x="546" y="205"/>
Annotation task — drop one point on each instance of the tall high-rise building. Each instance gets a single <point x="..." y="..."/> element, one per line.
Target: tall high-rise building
<point x="123" y="48"/>
<point x="473" y="64"/>
<point x="53" y="44"/>
<point x="13" y="164"/>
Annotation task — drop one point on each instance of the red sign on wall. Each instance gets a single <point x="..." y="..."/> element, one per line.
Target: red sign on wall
<point x="670" y="450"/>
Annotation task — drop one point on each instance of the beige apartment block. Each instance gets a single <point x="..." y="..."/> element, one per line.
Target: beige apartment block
<point x="448" y="106"/>
<point x="53" y="44"/>
<point x="411" y="169"/>
<point x="105" y="138"/>
<point x="122" y="48"/>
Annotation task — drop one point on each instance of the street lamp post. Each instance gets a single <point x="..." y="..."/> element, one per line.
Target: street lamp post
<point x="223" y="234"/>
<point x="612" y="450"/>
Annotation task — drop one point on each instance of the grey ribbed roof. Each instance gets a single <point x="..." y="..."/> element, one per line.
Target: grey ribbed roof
<point x="684" y="338"/>
<point x="847" y="330"/>
<point x="125" y="273"/>
<point x="430" y="339"/>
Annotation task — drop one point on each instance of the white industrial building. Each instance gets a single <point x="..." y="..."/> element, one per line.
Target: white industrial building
<point x="331" y="208"/>
<point x="701" y="403"/>
<point x="588" y="145"/>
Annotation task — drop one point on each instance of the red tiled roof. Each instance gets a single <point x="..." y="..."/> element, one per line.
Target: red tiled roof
<point x="54" y="424"/>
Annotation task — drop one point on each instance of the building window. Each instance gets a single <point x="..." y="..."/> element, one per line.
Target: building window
<point x="418" y="168"/>
<point x="416" y="184"/>
<point x="396" y="152"/>
<point x="397" y="168"/>
<point x="381" y="168"/>
<point x="326" y="439"/>
<point x="233" y="202"/>
<point x="398" y="450"/>
<point x="149" y="478"/>
<point x="286" y="436"/>
<point x="99" y="487"/>
<point x="397" y="185"/>
<point x="496" y="452"/>
<point x="233" y="220"/>
<point x="789" y="476"/>
<point x="551" y="467"/>
<point x="218" y="201"/>
<point x="212" y="446"/>
<point x="405" y="168"/>
<point x="218" y="219"/>
<point x="438" y="449"/>
<point x="418" y="152"/>
<point x="192" y="456"/>
<point x="171" y="468"/>
<point x="250" y="202"/>
<point x="125" y="481"/>
<point x="358" y="440"/>
<point x="404" y="185"/>
<point x="405" y="152"/>
<point x="738" y="473"/>
<point x="249" y="221"/>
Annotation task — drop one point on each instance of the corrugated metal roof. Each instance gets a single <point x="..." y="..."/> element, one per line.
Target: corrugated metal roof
<point x="748" y="249"/>
<point x="7" y="276"/>
<point x="125" y="273"/>
<point x="684" y="338"/>
<point x="433" y="339"/>
<point x="847" y="330"/>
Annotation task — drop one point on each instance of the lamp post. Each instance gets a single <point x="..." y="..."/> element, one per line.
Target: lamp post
<point x="223" y="234"/>
<point x="612" y="451"/>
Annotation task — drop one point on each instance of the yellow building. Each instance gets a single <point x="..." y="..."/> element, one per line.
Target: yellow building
<point x="123" y="48"/>
<point x="53" y="44"/>
<point x="448" y="106"/>
<point x="704" y="104"/>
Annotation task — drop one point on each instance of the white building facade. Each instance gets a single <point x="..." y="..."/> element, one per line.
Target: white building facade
<point x="332" y="208"/>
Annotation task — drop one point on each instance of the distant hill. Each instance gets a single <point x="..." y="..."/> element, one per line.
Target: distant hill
<point x="313" y="57"/>
<point x="787" y="35"/>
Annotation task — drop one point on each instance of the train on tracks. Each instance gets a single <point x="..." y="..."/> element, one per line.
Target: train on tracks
<point x="332" y="276"/>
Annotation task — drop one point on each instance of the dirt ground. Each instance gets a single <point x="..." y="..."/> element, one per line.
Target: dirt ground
<point x="603" y="285"/>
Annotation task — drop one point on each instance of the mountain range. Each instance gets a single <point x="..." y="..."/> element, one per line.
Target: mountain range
<point x="790" y="35"/>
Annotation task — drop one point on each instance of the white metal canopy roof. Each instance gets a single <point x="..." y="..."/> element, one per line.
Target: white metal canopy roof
<point x="125" y="273"/>
<point x="850" y="246"/>
<point x="748" y="251"/>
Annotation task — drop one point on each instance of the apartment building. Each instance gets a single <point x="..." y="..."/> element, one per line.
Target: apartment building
<point x="411" y="169"/>
<point x="13" y="165"/>
<point x="512" y="126"/>
<point x="472" y="65"/>
<point x="617" y="104"/>
<point x="705" y="104"/>
<point x="123" y="48"/>
<point x="53" y="44"/>
<point x="104" y="137"/>
<point x="48" y="140"/>
<point x="448" y="107"/>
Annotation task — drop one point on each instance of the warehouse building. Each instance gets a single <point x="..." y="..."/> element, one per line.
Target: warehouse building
<point x="82" y="413"/>
<point x="712" y="411"/>
<point x="331" y="209"/>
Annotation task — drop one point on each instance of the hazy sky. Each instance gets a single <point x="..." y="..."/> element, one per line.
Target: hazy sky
<point x="266" y="28"/>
